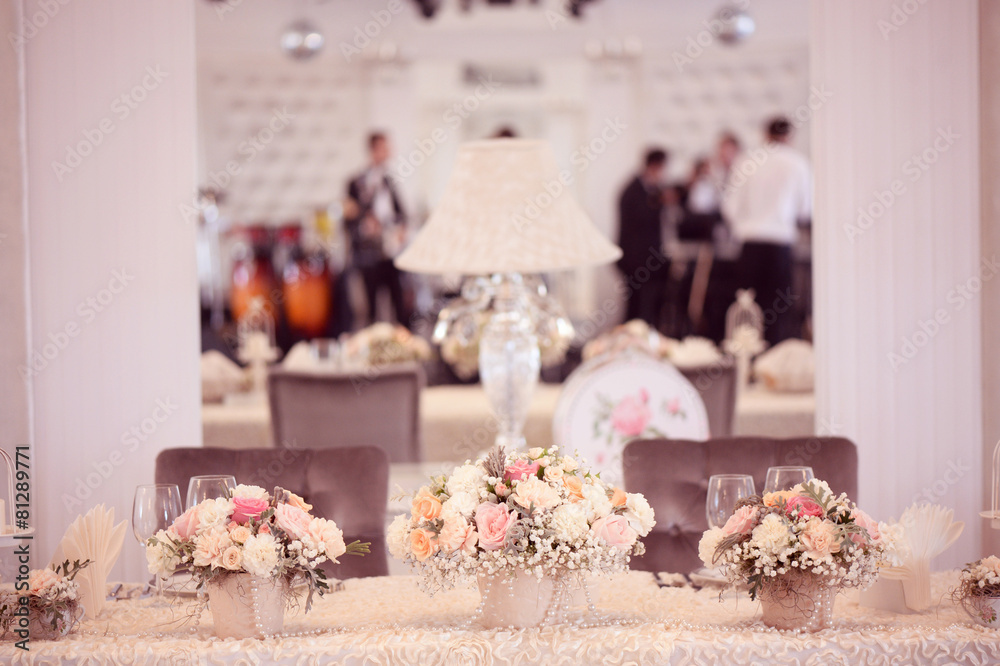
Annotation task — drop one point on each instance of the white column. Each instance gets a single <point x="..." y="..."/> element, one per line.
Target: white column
<point x="110" y="94"/>
<point x="898" y="255"/>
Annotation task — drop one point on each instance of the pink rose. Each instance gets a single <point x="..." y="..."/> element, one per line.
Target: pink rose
<point x="493" y="521"/>
<point x="631" y="415"/>
<point x="742" y="521"/>
<point x="294" y="521"/>
<point x="871" y="526"/>
<point x="803" y="507"/>
<point x="519" y="470"/>
<point x="458" y="534"/>
<point x="615" y="531"/>
<point x="245" y="508"/>
<point x="187" y="524"/>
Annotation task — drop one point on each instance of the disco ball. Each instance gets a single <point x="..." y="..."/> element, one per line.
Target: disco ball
<point x="302" y="40"/>
<point x="737" y="25"/>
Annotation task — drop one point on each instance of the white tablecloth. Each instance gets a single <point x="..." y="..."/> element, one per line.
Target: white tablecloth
<point x="389" y="621"/>
<point x="456" y="422"/>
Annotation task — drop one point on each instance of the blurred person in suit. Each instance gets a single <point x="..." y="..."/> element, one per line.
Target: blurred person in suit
<point x="377" y="229"/>
<point x="640" y="236"/>
<point x="769" y="193"/>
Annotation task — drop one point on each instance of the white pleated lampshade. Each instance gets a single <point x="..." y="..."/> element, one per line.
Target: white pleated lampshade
<point x="506" y="210"/>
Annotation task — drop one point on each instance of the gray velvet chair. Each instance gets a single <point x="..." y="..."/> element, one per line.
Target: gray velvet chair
<point x="673" y="475"/>
<point x="716" y="383"/>
<point x="349" y="485"/>
<point x="380" y="407"/>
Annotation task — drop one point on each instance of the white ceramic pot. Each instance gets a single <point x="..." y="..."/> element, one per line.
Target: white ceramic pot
<point x="40" y="625"/>
<point x="984" y="610"/>
<point x="524" y="600"/>
<point x="805" y="604"/>
<point x="245" y="606"/>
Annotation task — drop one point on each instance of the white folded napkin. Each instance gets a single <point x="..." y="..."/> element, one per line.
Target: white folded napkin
<point x="788" y="366"/>
<point x="94" y="537"/>
<point x="220" y="376"/>
<point x="299" y="357"/>
<point x="694" y="351"/>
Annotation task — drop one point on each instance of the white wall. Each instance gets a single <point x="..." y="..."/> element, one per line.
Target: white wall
<point x="894" y="93"/>
<point x="131" y="355"/>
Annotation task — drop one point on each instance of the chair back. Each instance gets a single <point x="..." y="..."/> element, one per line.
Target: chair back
<point x="716" y="384"/>
<point x="673" y="476"/>
<point x="349" y="485"/>
<point x="375" y="407"/>
<point x="611" y="400"/>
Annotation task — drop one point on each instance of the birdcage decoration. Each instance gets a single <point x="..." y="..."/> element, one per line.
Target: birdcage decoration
<point x="994" y="513"/>
<point x="257" y="348"/>
<point x="744" y="334"/>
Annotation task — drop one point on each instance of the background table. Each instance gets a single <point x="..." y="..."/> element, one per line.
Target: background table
<point x="456" y="422"/>
<point x="390" y="621"/>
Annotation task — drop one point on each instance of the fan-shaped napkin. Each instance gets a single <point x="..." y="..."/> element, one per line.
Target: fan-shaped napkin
<point x="95" y="537"/>
<point x="789" y="366"/>
<point x="693" y="351"/>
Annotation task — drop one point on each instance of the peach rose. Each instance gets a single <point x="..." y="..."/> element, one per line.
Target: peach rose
<point x="240" y="533"/>
<point x="294" y="521"/>
<point x="519" y="470"/>
<point x="574" y="486"/>
<point x="615" y="531"/>
<point x="742" y="521"/>
<point x="232" y="558"/>
<point x="423" y="544"/>
<point x="493" y="521"/>
<point x="619" y="497"/>
<point x="186" y="526"/>
<point x="819" y="539"/>
<point x="631" y="416"/>
<point x="298" y="502"/>
<point x="426" y="506"/>
<point x="245" y="508"/>
<point x="458" y="534"/>
<point x="535" y="494"/>
<point x="778" y="496"/>
<point x="803" y="507"/>
<point x="501" y="490"/>
<point x="870" y="525"/>
<point x="40" y="580"/>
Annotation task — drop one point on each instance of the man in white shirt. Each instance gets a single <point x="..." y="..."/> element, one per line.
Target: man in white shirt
<point x="768" y="194"/>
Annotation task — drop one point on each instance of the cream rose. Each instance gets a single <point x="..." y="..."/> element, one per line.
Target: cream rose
<point x="240" y="534"/>
<point x="250" y="492"/>
<point x="232" y="558"/>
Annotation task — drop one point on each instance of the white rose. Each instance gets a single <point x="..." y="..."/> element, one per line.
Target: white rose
<point x="251" y="492"/>
<point x="569" y="522"/>
<point x="596" y="498"/>
<point x="462" y="503"/>
<point x="466" y="479"/>
<point x="260" y="555"/>
<point x="535" y="452"/>
<point x="568" y="464"/>
<point x="554" y="473"/>
<point x="639" y="514"/>
<point x="397" y="536"/>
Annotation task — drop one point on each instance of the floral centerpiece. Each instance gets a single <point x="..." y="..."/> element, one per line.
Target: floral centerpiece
<point x="53" y="603"/>
<point x="795" y="549"/>
<point x="383" y="344"/>
<point x="978" y="590"/>
<point x="526" y="515"/>
<point x="252" y="542"/>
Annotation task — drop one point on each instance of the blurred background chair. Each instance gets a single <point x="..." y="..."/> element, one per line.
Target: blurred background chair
<point x="379" y="407"/>
<point x="349" y="485"/>
<point x="673" y="475"/>
<point x="716" y="383"/>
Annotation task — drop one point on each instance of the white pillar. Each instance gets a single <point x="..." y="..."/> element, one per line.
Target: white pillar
<point x="898" y="288"/>
<point x="110" y="107"/>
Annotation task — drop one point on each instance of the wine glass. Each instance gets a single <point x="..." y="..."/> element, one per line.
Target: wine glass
<point x="155" y="508"/>
<point x="209" y="486"/>
<point x="786" y="478"/>
<point x="724" y="491"/>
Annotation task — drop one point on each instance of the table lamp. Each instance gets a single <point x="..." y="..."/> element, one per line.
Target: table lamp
<point x="506" y="215"/>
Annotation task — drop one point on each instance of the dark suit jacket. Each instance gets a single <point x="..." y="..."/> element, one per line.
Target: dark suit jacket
<point x="639" y="231"/>
<point x="368" y="251"/>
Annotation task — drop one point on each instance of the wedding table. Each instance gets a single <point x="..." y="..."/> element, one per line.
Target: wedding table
<point x="456" y="422"/>
<point x="390" y="621"/>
